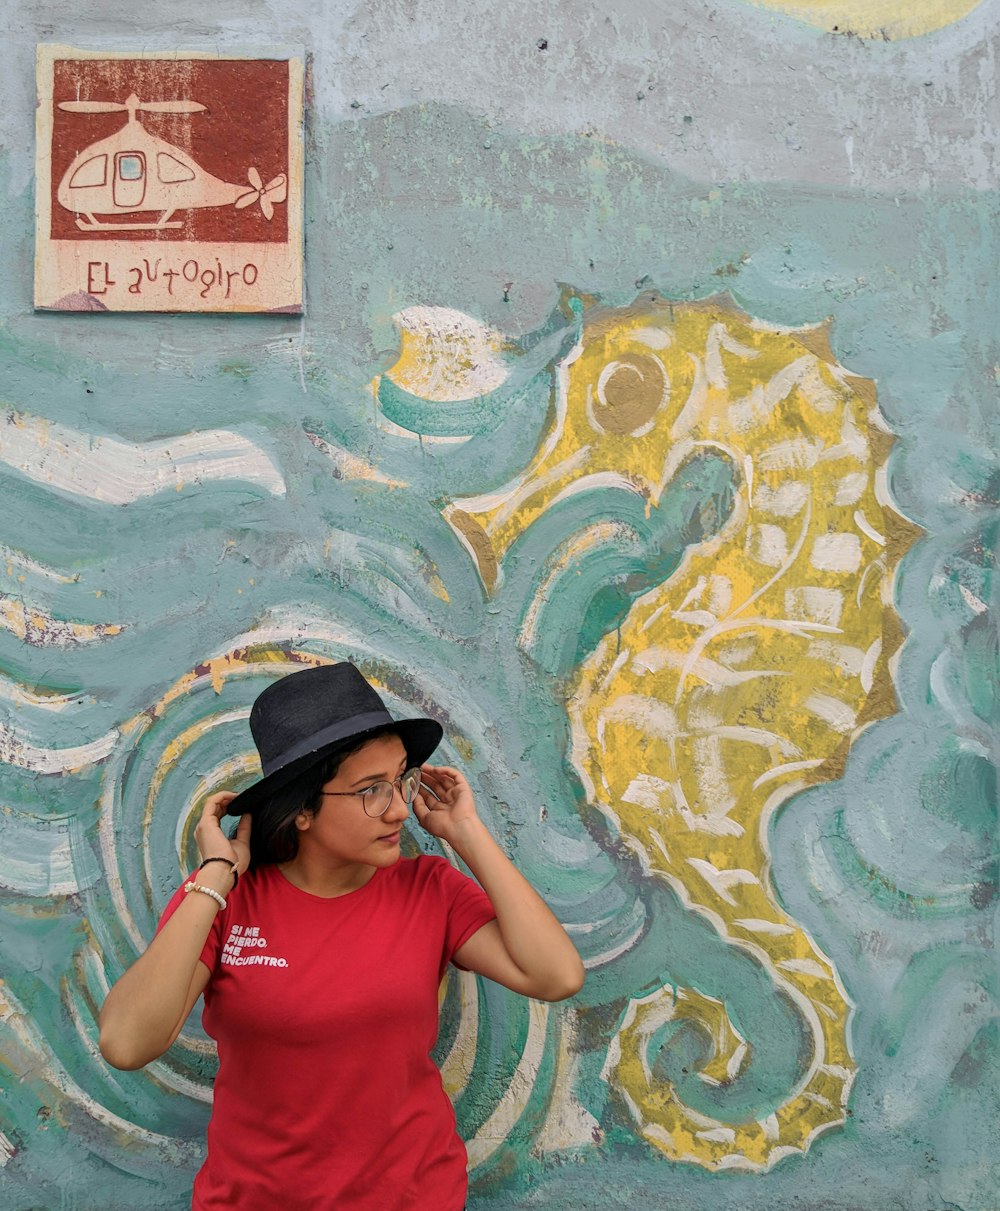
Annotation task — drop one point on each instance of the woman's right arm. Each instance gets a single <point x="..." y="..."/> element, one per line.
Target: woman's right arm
<point x="147" y="1007"/>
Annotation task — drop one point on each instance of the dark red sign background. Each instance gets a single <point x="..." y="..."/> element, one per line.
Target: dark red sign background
<point x="244" y="125"/>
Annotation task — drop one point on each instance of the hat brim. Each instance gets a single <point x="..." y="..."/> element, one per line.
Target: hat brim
<point x="420" y="738"/>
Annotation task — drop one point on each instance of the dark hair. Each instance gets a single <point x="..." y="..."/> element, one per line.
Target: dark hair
<point x="274" y="837"/>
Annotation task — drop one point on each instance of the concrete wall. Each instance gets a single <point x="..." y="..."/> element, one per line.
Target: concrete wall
<point x="641" y="425"/>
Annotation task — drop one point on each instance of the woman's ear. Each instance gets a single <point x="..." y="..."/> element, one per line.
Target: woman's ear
<point x="303" y="820"/>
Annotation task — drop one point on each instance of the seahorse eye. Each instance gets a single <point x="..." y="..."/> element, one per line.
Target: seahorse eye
<point x="629" y="393"/>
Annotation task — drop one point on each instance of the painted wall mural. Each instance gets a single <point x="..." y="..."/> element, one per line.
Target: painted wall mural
<point x="739" y="672"/>
<point x="739" y="679"/>
<point x="652" y="451"/>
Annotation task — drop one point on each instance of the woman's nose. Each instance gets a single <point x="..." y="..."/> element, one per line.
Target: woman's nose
<point x="398" y="808"/>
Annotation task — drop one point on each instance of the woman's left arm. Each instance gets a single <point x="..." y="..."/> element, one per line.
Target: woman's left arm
<point x="525" y="948"/>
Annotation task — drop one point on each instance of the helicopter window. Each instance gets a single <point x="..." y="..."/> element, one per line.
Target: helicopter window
<point x="170" y="170"/>
<point x="130" y="168"/>
<point x="90" y="173"/>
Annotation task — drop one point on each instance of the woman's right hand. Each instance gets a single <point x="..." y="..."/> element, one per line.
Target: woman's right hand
<point x="145" y="1010"/>
<point x="213" y="842"/>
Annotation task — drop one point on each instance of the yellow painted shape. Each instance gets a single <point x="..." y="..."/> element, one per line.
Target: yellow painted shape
<point x="219" y="668"/>
<point x="445" y="355"/>
<point x="729" y="1048"/>
<point x="457" y="1065"/>
<point x="886" y="19"/>
<point x="437" y="587"/>
<point x="36" y="626"/>
<point x="745" y="676"/>
<point x="662" y="1118"/>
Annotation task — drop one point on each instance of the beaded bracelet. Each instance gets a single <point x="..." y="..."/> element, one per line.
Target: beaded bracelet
<point x="209" y="891"/>
<point x="233" y="868"/>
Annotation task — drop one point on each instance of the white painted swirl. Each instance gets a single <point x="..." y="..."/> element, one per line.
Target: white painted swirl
<point x="118" y="472"/>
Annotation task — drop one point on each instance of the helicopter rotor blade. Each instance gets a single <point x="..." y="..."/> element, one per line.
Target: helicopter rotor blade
<point x="92" y="107"/>
<point x="246" y="199"/>
<point x="253" y="176"/>
<point x="277" y="188"/>
<point x="171" y="107"/>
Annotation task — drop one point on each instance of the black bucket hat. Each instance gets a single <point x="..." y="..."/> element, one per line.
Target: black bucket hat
<point x="305" y="716"/>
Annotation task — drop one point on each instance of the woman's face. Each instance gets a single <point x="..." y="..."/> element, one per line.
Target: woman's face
<point x="340" y="834"/>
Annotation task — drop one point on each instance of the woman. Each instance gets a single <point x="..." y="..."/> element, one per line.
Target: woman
<point x="320" y="954"/>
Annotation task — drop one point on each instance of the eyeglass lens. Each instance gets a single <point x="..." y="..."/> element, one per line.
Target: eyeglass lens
<point x="376" y="798"/>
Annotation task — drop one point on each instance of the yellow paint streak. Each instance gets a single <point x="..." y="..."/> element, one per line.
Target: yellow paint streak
<point x="728" y="1047"/>
<point x="888" y="19"/>
<point x="179" y="746"/>
<point x="415" y="369"/>
<point x="464" y="748"/>
<point x="219" y="668"/>
<point x="445" y="355"/>
<point x="745" y="676"/>
<point x="456" y="1069"/>
<point x="245" y="765"/>
<point x="437" y="587"/>
<point x="37" y="627"/>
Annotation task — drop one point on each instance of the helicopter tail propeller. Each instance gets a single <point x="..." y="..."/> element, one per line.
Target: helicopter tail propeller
<point x="276" y="190"/>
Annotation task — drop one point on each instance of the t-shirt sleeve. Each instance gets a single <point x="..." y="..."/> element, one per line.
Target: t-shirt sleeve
<point x="213" y="943"/>
<point x="468" y="907"/>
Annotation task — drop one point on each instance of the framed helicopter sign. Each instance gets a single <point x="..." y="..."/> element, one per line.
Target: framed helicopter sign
<point x="168" y="181"/>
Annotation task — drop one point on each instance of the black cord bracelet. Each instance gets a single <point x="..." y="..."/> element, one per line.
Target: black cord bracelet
<point x="232" y="867"/>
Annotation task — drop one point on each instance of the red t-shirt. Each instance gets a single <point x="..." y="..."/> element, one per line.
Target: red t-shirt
<point x="325" y="1012"/>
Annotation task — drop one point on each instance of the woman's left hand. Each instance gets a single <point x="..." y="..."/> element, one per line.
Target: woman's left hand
<point x="448" y="805"/>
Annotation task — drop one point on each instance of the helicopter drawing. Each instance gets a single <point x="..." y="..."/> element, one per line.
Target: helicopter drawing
<point x="134" y="171"/>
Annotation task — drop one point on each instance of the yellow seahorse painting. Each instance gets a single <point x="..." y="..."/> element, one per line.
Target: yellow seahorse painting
<point x="742" y="678"/>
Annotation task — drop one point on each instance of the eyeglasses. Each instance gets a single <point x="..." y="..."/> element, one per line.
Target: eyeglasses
<point x="375" y="799"/>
